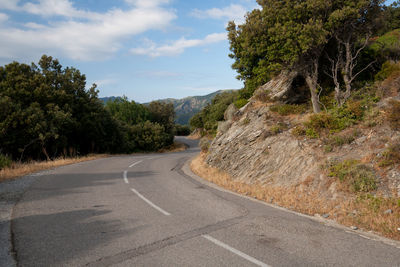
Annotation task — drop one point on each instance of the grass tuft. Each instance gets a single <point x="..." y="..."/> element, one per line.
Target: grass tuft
<point x="355" y="177"/>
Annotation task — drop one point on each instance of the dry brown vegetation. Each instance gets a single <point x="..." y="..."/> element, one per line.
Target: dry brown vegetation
<point x="175" y="147"/>
<point x="363" y="210"/>
<point x="21" y="169"/>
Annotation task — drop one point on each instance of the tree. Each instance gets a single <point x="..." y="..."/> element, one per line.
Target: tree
<point x="351" y="25"/>
<point x="294" y="35"/>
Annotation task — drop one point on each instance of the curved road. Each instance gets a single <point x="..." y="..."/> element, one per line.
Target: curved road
<point x="149" y="210"/>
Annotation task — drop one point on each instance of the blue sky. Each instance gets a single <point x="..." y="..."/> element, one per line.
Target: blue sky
<point x="144" y="49"/>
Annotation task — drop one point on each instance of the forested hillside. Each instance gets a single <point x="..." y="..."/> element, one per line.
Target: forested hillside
<point x="46" y="112"/>
<point x="187" y="107"/>
<point x="320" y="131"/>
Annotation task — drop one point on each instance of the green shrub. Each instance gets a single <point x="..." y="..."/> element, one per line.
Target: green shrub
<point x="181" y="130"/>
<point x="391" y="156"/>
<point x="388" y="69"/>
<point x="299" y="131"/>
<point x="241" y="102"/>
<point x="335" y="120"/>
<point x="5" y="161"/>
<point x="278" y="128"/>
<point x="357" y="177"/>
<point x="286" y="109"/>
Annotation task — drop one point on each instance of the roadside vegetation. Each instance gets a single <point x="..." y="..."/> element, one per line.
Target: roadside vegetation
<point x="46" y="113"/>
<point x="347" y="55"/>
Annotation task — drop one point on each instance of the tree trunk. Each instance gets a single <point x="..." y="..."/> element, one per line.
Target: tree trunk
<point x="311" y="78"/>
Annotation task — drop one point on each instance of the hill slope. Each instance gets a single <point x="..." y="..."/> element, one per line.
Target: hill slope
<point x="187" y="107"/>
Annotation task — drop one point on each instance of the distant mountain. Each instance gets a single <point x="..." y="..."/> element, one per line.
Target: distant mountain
<point x="186" y="107"/>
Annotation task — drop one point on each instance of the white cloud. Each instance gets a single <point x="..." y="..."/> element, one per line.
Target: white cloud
<point x="147" y="3"/>
<point x="3" y="17"/>
<point x="9" y="4"/>
<point x="177" y="47"/>
<point x="80" y="35"/>
<point x="233" y="12"/>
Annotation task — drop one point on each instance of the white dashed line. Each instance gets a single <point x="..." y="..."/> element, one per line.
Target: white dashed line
<point x="126" y="177"/>
<point x="136" y="163"/>
<point x="235" y="251"/>
<point x="150" y="203"/>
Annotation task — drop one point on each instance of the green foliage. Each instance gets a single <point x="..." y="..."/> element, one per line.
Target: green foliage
<point x="241" y="102"/>
<point x="358" y="177"/>
<point x="5" y="161"/>
<point x="46" y="111"/>
<point x="278" y="128"/>
<point x="149" y="136"/>
<point x="299" y="131"/>
<point x="388" y="45"/>
<point x="297" y="35"/>
<point x="336" y="119"/>
<point x="287" y="109"/>
<point x="388" y="68"/>
<point x="210" y="115"/>
<point x="392" y="16"/>
<point x="127" y="111"/>
<point x="182" y="130"/>
<point x="390" y="156"/>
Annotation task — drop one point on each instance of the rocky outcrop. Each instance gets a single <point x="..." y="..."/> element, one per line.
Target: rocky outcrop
<point x="251" y="150"/>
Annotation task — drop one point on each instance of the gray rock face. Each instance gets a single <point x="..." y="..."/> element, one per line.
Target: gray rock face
<point x="249" y="153"/>
<point x="280" y="86"/>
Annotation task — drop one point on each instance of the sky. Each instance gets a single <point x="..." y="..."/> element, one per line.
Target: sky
<point x="143" y="49"/>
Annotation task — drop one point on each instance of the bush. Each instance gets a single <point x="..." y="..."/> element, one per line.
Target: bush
<point x="393" y="114"/>
<point x="355" y="176"/>
<point x="286" y="109"/>
<point x="391" y="156"/>
<point x="336" y="120"/>
<point x="388" y="69"/>
<point x="181" y="130"/>
<point x="5" y="161"/>
<point x="278" y="128"/>
<point x="241" y="102"/>
<point x="204" y="144"/>
<point x="298" y="131"/>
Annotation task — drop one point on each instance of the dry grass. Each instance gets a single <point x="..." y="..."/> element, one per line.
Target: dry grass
<point x="175" y="147"/>
<point x="21" y="169"/>
<point x="365" y="212"/>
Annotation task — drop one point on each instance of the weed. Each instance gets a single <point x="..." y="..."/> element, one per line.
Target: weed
<point x="5" y="161"/>
<point x="246" y="121"/>
<point x="204" y="144"/>
<point x="390" y="156"/>
<point x="355" y="176"/>
<point x="393" y="114"/>
<point x="328" y="148"/>
<point x="262" y="96"/>
<point x="286" y="109"/>
<point x="241" y="103"/>
<point x="21" y="169"/>
<point x="278" y="128"/>
<point x="299" y="131"/>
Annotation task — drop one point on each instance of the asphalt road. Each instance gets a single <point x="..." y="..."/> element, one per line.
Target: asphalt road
<point x="148" y="210"/>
